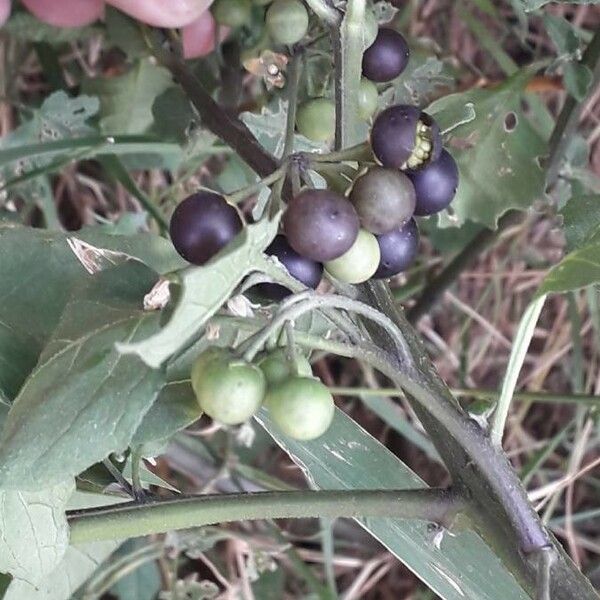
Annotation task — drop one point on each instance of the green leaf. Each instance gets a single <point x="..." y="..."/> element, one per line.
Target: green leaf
<point x="38" y="269"/>
<point x="33" y="531"/>
<point x="84" y="400"/>
<point x="497" y="152"/>
<point x="144" y="583"/>
<point x="578" y="269"/>
<point x="457" y="567"/>
<point x="24" y="26"/>
<point x="269" y="128"/>
<point x="530" y="5"/>
<point x="126" y="101"/>
<point x="175" y="408"/>
<point x="203" y="291"/>
<point x="581" y="216"/>
<point x="172" y="114"/>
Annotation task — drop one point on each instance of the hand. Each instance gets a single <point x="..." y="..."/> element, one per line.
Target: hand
<point x="198" y="33"/>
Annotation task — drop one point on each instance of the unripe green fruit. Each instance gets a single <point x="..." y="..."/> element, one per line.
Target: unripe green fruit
<point x="287" y="21"/>
<point x="277" y="368"/>
<point x="228" y="389"/>
<point x="231" y="13"/>
<point x="315" y="119"/>
<point x="301" y="407"/>
<point x="359" y="263"/>
<point x="368" y="99"/>
<point x="214" y="354"/>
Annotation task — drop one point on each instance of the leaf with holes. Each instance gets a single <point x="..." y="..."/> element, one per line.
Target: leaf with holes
<point x="497" y="152"/>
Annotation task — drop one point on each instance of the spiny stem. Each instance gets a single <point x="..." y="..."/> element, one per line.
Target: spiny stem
<point x="128" y="520"/>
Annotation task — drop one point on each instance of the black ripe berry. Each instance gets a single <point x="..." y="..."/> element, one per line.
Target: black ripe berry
<point x="320" y="224"/>
<point x="386" y="57"/>
<point x="398" y="250"/>
<point x="404" y="137"/>
<point x="203" y="224"/>
<point x="305" y="270"/>
<point x="383" y="198"/>
<point x="435" y="184"/>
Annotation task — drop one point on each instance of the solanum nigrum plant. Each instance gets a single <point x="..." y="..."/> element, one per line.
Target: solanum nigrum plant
<point x="302" y="407"/>
<point x="323" y="172"/>
<point x="320" y="224"/>
<point x="227" y="388"/>
<point x="202" y="225"/>
<point x="435" y="184"/>
<point x="305" y="270"/>
<point x="387" y="56"/>
<point x="405" y="137"/>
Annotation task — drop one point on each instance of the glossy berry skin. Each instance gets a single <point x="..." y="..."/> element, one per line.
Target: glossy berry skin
<point x="287" y="21"/>
<point x="320" y="224"/>
<point x="229" y="390"/>
<point x="359" y="263"/>
<point x="305" y="270"/>
<point x="301" y="407"/>
<point x="368" y="99"/>
<point x="383" y="198"/>
<point x="203" y="224"/>
<point x="395" y="138"/>
<point x="398" y="250"/>
<point x="435" y="184"/>
<point x="231" y="13"/>
<point x="386" y="57"/>
<point x="316" y="119"/>
<point x="277" y="368"/>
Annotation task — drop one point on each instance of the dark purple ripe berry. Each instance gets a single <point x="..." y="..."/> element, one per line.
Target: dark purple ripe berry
<point x="320" y="224"/>
<point x="404" y="137"/>
<point x="203" y="224"/>
<point x="383" y="198"/>
<point x="435" y="184"/>
<point x="386" y="57"/>
<point x="398" y="250"/>
<point x="305" y="270"/>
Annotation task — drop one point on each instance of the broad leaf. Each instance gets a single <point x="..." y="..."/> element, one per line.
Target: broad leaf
<point x="456" y="567"/>
<point x="126" y="101"/>
<point x="581" y="216"/>
<point x="38" y="269"/>
<point x="203" y="291"/>
<point x="33" y="531"/>
<point x="530" y="5"/>
<point x="497" y="153"/>
<point x="85" y="399"/>
<point x="578" y="269"/>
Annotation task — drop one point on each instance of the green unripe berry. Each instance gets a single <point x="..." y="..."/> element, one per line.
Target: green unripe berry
<point x="287" y="21"/>
<point x="301" y="407"/>
<point x="368" y="99"/>
<point x="277" y="368"/>
<point x="231" y="13"/>
<point x="228" y="389"/>
<point x="359" y="263"/>
<point x="315" y="119"/>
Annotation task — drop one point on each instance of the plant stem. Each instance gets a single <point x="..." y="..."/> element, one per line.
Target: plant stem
<point x="568" y="119"/>
<point x="357" y="153"/>
<point x="348" y="45"/>
<point x="481" y="394"/>
<point x="293" y="79"/>
<point x="240" y="195"/>
<point x="472" y="251"/>
<point x="123" y="521"/>
<point x="325" y="12"/>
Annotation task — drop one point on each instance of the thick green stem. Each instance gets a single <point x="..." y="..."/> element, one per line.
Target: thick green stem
<point x="348" y="45"/>
<point x="128" y="520"/>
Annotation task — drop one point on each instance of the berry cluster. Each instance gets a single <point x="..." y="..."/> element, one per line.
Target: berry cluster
<point x="231" y="390"/>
